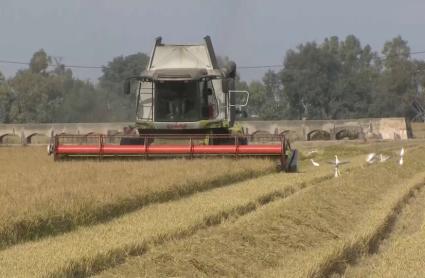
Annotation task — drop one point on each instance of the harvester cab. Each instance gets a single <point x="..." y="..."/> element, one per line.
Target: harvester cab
<point x="183" y="91"/>
<point x="186" y="106"/>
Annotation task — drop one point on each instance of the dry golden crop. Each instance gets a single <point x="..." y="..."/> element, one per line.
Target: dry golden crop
<point x="401" y="252"/>
<point x="405" y="258"/>
<point x="306" y="235"/>
<point x="99" y="246"/>
<point x="93" y="248"/>
<point x="40" y="197"/>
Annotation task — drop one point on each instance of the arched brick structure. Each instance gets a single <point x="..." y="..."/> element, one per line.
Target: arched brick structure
<point x="318" y="134"/>
<point x="291" y="135"/>
<point x="29" y="139"/>
<point x="257" y="135"/>
<point x="385" y="128"/>
<point x="3" y="136"/>
<point x="348" y="133"/>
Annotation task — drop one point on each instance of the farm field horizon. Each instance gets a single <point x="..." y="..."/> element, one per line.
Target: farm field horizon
<point x="216" y="216"/>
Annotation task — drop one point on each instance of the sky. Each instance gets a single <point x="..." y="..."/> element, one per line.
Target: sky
<point x="250" y="32"/>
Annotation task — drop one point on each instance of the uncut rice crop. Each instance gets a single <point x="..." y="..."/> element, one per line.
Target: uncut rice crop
<point x="89" y="249"/>
<point x="402" y="252"/>
<point x="306" y="235"/>
<point x="41" y="197"/>
<point x="405" y="258"/>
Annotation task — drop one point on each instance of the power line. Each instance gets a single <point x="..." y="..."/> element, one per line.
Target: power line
<point x="281" y="66"/>
<point x="13" y="62"/>
<point x="82" y="67"/>
<point x="50" y="65"/>
<point x="101" y="67"/>
<point x="260" y="67"/>
<point x="417" y="52"/>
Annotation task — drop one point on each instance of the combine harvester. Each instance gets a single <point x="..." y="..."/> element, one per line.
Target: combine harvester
<point x="186" y="106"/>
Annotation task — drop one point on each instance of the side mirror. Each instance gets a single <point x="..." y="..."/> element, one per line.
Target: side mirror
<point x="241" y="97"/>
<point x="127" y="86"/>
<point x="230" y="70"/>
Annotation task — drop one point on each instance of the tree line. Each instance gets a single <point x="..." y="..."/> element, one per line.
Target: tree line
<point x="339" y="79"/>
<point x="332" y="79"/>
<point x="40" y="94"/>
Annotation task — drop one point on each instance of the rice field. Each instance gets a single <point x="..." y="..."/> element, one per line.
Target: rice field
<point x="311" y="229"/>
<point x="405" y="258"/>
<point x="211" y="217"/>
<point x="39" y="197"/>
<point x="401" y="252"/>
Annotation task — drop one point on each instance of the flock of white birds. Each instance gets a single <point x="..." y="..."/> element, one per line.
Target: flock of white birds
<point x="370" y="159"/>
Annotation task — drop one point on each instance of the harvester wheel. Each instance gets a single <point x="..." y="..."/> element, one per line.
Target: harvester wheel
<point x="243" y="140"/>
<point x="132" y="141"/>
<point x="229" y="141"/>
<point x="292" y="165"/>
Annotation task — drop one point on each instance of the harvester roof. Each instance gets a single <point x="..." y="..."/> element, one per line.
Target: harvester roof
<point x="180" y="56"/>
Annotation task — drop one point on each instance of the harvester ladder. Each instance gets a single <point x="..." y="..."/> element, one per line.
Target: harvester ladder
<point x="146" y="95"/>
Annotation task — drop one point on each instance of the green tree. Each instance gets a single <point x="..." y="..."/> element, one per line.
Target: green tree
<point x="396" y="88"/>
<point x="118" y="107"/>
<point x="37" y="97"/>
<point x="257" y="98"/>
<point x="335" y="79"/>
<point x="419" y="77"/>
<point x="82" y="103"/>
<point x="6" y="98"/>
<point x="39" y="61"/>
<point x="309" y="79"/>
<point x="122" y="67"/>
<point x="357" y="79"/>
<point x="271" y="107"/>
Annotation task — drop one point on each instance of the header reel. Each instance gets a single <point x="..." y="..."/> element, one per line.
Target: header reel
<point x="171" y="145"/>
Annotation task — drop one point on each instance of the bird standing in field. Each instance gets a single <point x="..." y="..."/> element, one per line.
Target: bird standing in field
<point x="337" y="163"/>
<point x="383" y="158"/>
<point x="50" y="149"/>
<point x="316" y="164"/>
<point x="401" y="161"/>
<point x="371" y="158"/>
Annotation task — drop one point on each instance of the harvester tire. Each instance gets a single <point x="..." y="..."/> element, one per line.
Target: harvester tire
<point x="132" y="141"/>
<point x="230" y="141"/>
<point x="292" y="166"/>
<point x="243" y="141"/>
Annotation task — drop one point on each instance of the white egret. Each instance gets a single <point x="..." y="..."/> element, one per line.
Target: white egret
<point x="383" y="158"/>
<point x="337" y="163"/>
<point x="401" y="161"/>
<point x="316" y="164"/>
<point x="371" y="158"/>
<point x="49" y="149"/>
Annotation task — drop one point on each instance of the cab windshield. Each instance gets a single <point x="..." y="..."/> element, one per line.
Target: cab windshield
<point x="184" y="101"/>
